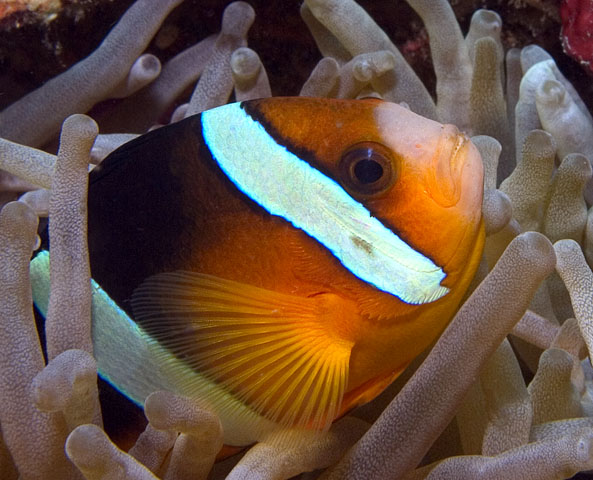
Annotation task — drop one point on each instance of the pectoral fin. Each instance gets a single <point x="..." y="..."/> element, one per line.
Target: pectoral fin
<point x="266" y="349"/>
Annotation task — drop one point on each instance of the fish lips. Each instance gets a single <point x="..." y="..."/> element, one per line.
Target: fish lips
<point x="456" y="158"/>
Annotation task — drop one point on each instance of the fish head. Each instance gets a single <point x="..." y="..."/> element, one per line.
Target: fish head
<point x="422" y="179"/>
<point x="434" y="201"/>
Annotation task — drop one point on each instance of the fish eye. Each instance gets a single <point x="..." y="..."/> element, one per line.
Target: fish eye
<point x="367" y="168"/>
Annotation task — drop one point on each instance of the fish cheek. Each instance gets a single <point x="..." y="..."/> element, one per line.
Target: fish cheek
<point x="425" y="225"/>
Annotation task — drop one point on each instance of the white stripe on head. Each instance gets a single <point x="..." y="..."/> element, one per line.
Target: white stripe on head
<point x="289" y="187"/>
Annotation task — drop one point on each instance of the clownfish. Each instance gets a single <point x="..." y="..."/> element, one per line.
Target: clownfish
<point x="282" y="260"/>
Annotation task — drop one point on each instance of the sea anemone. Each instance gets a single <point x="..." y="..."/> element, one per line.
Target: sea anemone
<point x="506" y="390"/>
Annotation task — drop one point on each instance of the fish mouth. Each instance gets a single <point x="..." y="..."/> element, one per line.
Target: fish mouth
<point x="451" y="155"/>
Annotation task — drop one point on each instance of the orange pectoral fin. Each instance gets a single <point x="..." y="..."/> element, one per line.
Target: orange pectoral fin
<point x="266" y="349"/>
<point x="369" y="390"/>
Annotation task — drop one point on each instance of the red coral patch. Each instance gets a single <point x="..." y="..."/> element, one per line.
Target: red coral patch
<point x="577" y="30"/>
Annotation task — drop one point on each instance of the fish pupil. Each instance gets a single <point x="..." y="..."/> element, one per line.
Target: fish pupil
<point x="368" y="171"/>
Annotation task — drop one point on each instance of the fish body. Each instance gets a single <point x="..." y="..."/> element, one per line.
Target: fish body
<point x="286" y="258"/>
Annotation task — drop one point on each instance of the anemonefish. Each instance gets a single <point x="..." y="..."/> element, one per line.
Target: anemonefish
<point x="284" y="259"/>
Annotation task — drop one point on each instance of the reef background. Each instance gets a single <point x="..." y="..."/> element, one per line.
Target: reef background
<point x="36" y="45"/>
